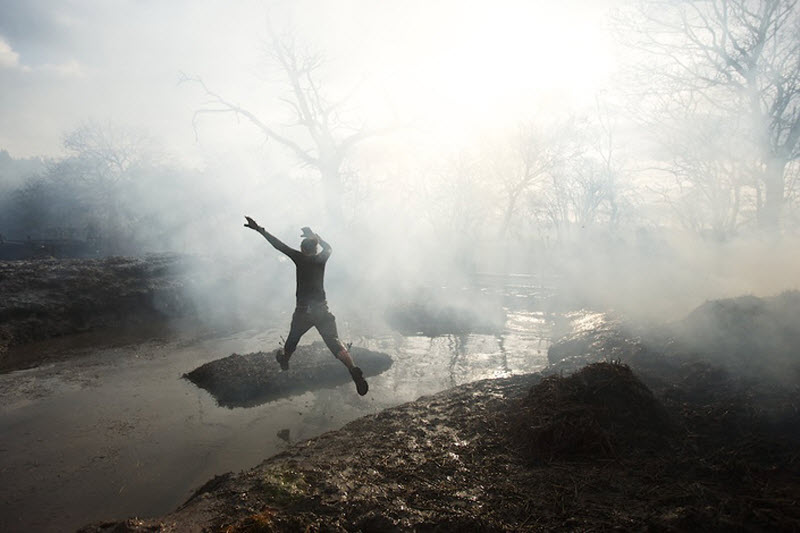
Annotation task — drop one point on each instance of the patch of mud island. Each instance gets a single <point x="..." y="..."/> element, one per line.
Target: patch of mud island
<point x="660" y="437"/>
<point x="255" y="378"/>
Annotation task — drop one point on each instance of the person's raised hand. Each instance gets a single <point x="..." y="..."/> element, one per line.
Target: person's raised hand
<point x="252" y="224"/>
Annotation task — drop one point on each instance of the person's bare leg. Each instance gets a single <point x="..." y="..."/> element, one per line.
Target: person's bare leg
<point x="344" y="356"/>
<point x="358" y="376"/>
<point x="300" y="324"/>
<point x="327" y="329"/>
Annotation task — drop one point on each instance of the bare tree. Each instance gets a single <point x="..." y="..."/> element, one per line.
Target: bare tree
<point x="87" y="193"/>
<point x="581" y="185"/>
<point x="460" y="202"/>
<point x="580" y="193"/>
<point x="530" y="157"/>
<point x="713" y="184"/>
<point x="606" y="160"/>
<point x="328" y="138"/>
<point x="111" y="150"/>
<point x="737" y="57"/>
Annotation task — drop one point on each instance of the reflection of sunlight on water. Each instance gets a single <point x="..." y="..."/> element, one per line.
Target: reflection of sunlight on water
<point x="426" y="365"/>
<point x="117" y="433"/>
<point x="586" y="320"/>
<point x="526" y="322"/>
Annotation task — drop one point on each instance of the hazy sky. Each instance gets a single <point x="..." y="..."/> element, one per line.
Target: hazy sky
<point x="453" y="66"/>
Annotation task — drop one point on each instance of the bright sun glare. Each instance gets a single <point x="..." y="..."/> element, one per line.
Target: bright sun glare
<point x="492" y="67"/>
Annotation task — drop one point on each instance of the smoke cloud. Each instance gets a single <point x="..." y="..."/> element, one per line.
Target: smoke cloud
<point x="429" y="144"/>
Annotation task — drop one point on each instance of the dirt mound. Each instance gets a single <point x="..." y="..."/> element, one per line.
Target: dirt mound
<point x="750" y="334"/>
<point x="602" y="410"/>
<point x="731" y="414"/>
<point x="255" y="378"/>
<point x="747" y="336"/>
<point x="727" y="373"/>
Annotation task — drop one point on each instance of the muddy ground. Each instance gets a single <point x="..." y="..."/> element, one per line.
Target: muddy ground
<point x="45" y="298"/>
<point x="623" y="431"/>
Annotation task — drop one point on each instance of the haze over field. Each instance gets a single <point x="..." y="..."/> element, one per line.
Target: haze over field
<point x="621" y="149"/>
<point x="512" y="189"/>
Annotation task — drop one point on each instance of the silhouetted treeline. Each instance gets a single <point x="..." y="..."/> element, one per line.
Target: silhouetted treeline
<point x="110" y="195"/>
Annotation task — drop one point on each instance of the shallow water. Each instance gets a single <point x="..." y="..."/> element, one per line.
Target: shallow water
<point x="115" y="432"/>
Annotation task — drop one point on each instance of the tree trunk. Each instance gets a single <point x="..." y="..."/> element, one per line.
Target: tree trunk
<point x="770" y="214"/>
<point x="332" y="189"/>
<point x="510" y="205"/>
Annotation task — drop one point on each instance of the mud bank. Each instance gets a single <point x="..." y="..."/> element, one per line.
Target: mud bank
<point x="40" y="299"/>
<point x="746" y="336"/>
<point x="643" y="439"/>
<point x="255" y="378"/>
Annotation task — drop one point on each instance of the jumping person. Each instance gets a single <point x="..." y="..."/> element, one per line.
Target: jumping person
<point x="312" y="308"/>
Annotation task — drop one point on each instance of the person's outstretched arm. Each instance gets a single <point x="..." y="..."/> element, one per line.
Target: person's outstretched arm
<point x="273" y="240"/>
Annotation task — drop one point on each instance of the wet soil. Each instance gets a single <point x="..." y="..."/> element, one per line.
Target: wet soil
<point x="626" y="433"/>
<point x="255" y="378"/>
<point x="45" y="298"/>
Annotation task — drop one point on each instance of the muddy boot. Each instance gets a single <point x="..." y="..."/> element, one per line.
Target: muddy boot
<point x="358" y="379"/>
<point x="282" y="358"/>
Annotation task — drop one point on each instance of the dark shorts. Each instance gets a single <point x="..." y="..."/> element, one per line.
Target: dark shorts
<point x="319" y="316"/>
